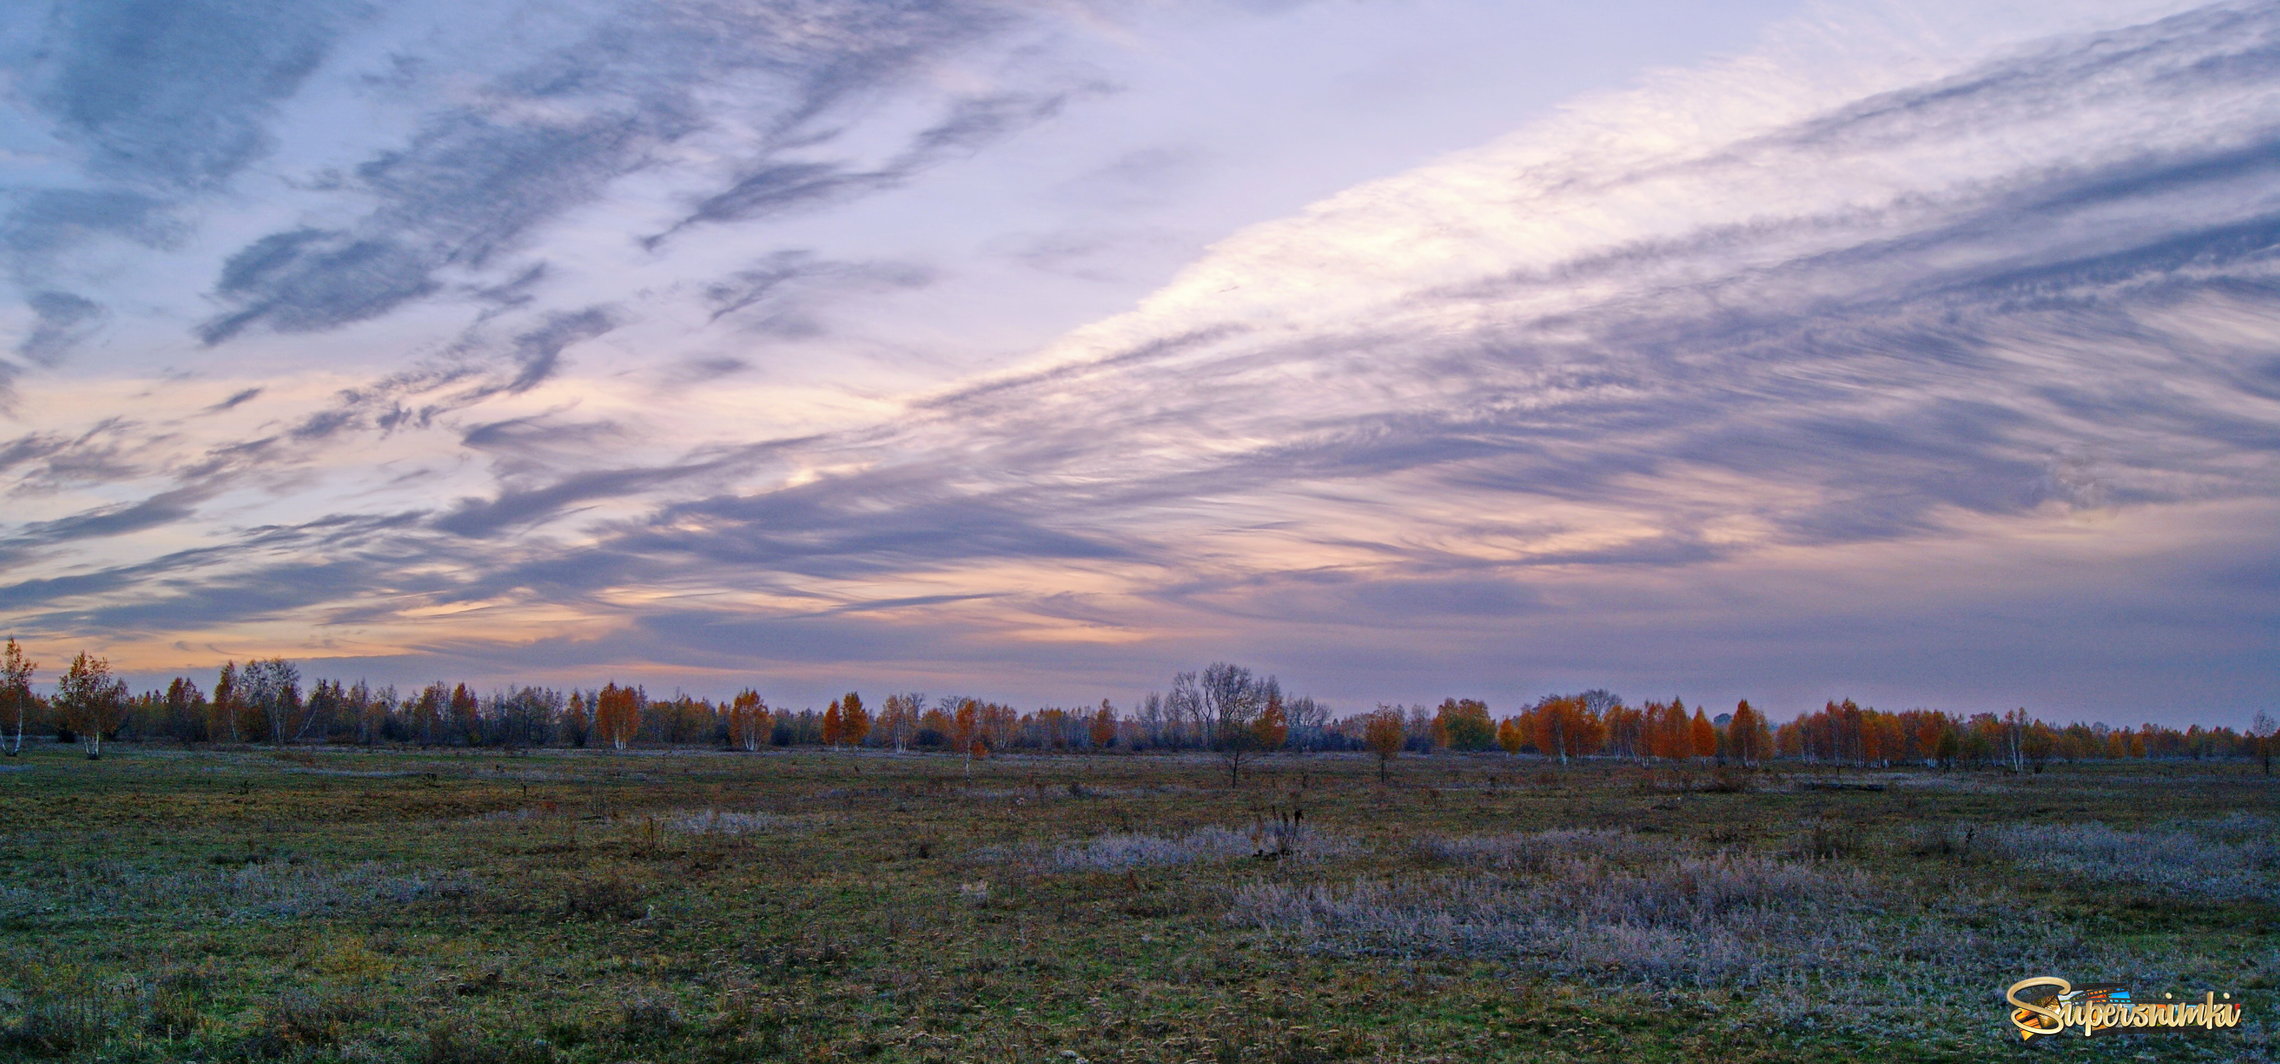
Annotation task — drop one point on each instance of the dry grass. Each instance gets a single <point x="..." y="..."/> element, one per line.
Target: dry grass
<point x="249" y="891"/>
<point x="1537" y="851"/>
<point x="2235" y="857"/>
<point x="728" y="824"/>
<point x="1694" y="919"/>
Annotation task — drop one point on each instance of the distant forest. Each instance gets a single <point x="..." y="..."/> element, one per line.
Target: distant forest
<point x="1228" y="709"/>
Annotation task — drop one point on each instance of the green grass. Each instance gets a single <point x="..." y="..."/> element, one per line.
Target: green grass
<point x="436" y="906"/>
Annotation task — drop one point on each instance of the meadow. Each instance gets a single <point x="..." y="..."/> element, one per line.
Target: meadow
<point x="170" y="903"/>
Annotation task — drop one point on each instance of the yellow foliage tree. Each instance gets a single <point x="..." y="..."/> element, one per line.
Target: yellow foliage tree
<point x="1384" y="732"/>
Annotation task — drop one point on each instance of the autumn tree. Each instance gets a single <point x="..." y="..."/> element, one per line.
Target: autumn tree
<point x="577" y="720"/>
<point x="426" y="711"/>
<point x="1103" y="730"/>
<point x="186" y="710"/>
<point x="226" y="706"/>
<point x="898" y="718"/>
<point x="2040" y="744"/>
<point x="465" y="723"/>
<point x="1746" y="735"/>
<point x="1672" y="738"/>
<point x="2014" y="739"/>
<point x="270" y="689"/>
<point x="1463" y="724"/>
<point x="16" y="689"/>
<point x="617" y="714"/>
<point x="1226" y="700"/>
<point x="965" y="726"/>
<point x="1511" y="736"/>
<point x="1272" y="729"/>
<point x="1705" y="735"/>
<point x="1384" y="732"/>
<point x="749" y="724"/>
<point x="834" y="725"/>
<point x="854" y="720"/>
<point x="1566" y="727"/>
<point x="92" y="702"/>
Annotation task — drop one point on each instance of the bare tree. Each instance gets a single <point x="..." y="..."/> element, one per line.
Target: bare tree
<point x="1225" y="702"/>
<point x="16" y="688"/>
<point x="1309" y="719"/>
<point x="92" y="701"/>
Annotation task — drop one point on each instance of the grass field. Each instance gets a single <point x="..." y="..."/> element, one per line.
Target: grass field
<point x="164" y="904"/>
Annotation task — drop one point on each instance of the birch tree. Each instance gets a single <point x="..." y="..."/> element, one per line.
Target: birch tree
<point x="16" y="689"/>
<point x="92" y="702"/>
<point x="749" y="725"/>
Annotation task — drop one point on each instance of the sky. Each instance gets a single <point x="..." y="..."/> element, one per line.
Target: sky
<point x="1925" y="353"/>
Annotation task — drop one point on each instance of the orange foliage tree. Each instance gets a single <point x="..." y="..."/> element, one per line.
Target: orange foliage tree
<point x="965" y="731"/>
<point x="1103" y="733"/>
<point x="834" y="725"/>
<point x="1272" y="728"/>
<point x="1512" y="735"/>
<point x="854" y="720"/>
<point x="749" y="725"/>
<point x="1384" y="732"/>
<point x="617" y="714"/>
<point x="1746" y="737"/>
<point x="1566" y="727"/>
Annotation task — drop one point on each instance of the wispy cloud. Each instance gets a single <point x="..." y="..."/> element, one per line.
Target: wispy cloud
<point x="1767" y="368"/>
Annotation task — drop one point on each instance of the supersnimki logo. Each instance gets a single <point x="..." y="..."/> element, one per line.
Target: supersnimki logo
<point x="2046" y="1004"/>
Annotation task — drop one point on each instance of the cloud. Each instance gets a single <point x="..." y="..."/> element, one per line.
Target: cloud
<point x="539" y="352"/>
<point x="158" y="510"/>
<point x="779" y="295"/>
<point x="62" y="321"/>
<point x="236" y="399"/>
<point x="516" y="508"/>
<point x="49" y="221"/>
<point x="1762" y="369"/>
<point x="779" y="185"/>
<point x="308" y="280"/>
<point x="845" y="528"/>
<point x="477" y="180"/>
<point x="178" y="93"/>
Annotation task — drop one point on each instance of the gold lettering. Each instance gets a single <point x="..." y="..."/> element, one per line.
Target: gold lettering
<point x="2032" y="1019"/>
<point x="2040" y="1007"/>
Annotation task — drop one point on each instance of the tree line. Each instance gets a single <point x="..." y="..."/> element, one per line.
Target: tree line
<point x="1227" y="709"/>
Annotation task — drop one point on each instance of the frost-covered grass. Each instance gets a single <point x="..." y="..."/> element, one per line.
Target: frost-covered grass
<point x="1122" y="852"/>
<point x="1689" y="918"/>
<point x="114" y="891"/>
<point x="1537" y="850"/>
<point x="2235" y="857"/>
<point x="1264" y="841"/>
<point x="726" y="823"/>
